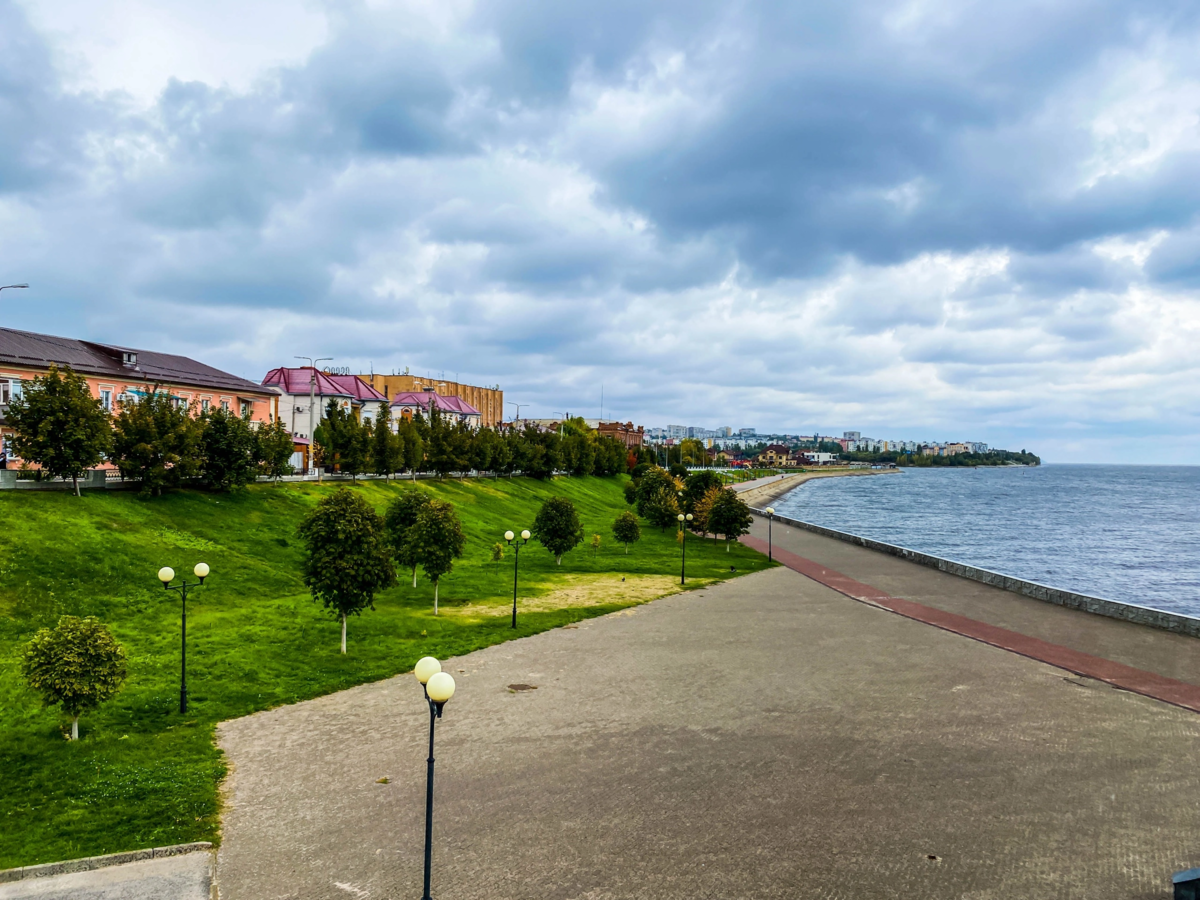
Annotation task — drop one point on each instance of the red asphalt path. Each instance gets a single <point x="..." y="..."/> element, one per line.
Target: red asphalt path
<point x="1168" y="690"/>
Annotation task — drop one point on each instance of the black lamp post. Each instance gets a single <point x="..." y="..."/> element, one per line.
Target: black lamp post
<point x="509" y="536"/>
<point x="683" y="520"/>
<point x="439" y="688"/>
<point x="770" y="519"/>
<point x="166" y="575"/>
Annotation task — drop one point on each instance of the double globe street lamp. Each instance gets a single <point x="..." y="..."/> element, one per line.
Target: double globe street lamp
<point x="683" y="520"/>
<point x="166" y="575"/>
<point x="439" y="688"/>
<point x="509" y="536"/>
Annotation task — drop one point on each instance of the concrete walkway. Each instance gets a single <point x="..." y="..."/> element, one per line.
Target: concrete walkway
<point x="763" y="738"/>
<point x="183" y="877"/>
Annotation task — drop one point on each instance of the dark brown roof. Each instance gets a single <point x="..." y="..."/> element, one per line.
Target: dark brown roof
<point x="38" y="351"/>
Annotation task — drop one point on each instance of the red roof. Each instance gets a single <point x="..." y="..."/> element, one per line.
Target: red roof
<point x="298" y="381"/>
<point x="356" y="387"/>
<point x="422" y="399"/>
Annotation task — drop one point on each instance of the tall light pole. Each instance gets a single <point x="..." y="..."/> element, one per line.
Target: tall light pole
<point x="166" y="575"/>
<point x="518" y="406"/>
<point x="312" y="399"/>
<point x="508" y="536"/>
<point x="439" y="688"/>
<point x="560" y="422"/>
<point x="4" y="287"/>
<point x="770" y="520"/>
<point x="683" y="520"/>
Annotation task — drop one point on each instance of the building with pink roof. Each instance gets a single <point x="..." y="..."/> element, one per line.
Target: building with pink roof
<point x="307" y="391"/>
<point x="406" y="404"/>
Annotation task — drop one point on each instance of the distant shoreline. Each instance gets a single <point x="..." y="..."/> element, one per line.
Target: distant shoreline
<point x="775" y="489"/>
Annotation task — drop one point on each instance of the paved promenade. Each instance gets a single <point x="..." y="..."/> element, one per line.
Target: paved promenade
<point x="764" y="738"/>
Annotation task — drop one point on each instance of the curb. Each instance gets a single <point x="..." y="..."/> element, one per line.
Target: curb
<point x="89" y="863"/>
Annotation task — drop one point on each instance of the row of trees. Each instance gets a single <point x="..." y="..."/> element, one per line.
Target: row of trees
<point x="660" y="497"/>
<point x="156" y="440"/>
<point x="435" y="444"/>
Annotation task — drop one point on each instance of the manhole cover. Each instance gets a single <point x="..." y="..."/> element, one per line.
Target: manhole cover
<point x="522" y="687"/>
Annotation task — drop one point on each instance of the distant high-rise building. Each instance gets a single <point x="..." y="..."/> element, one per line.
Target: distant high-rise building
<point x="852" y="435"/>
<point x="747" y="432"/>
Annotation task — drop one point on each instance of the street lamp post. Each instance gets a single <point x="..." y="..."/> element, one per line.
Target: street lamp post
<point x="683" y="531"/>
<point x="517" y="417"/>
<point x="509" y="536"/>
<point x="770" y="520"/>
<point x="5" y="287"/>
<point x="166" y="575"/>
<point x="312" y="399"/>
<point x="439" y="688"/>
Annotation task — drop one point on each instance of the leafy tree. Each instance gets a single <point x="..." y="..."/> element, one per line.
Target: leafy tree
<point x="703" y="508"/>
<point x="497" y="554"/>
<point x="626" y="529"/>
<point x="437" y="540"/>
<point x="443" y="455"/>
<point x="227" y="450"/>
<point x="502" y="460"/>
<point x="355" y="447"/>
<point x="76" y="665"/>
<point x="399" y="518"/>
<point x="387" y="450"/>
<point x="595" y="545"/>
<point x="275" y="448"/>
<point x="630" y="490"/>
<point x="347" y="558"/>
<point x="414" y="446"/>
<point x="679" y="470"/>
<point x="653" y="481"/>
<point x="59" y="425"/>
<point x="557" y="527"/>
<point x="728" y="515"/>
<point x="696" y="485"/>
<point x="583" y="455"/>
<point x="322" y="456"/>
<point x="484" y="449"/>
<point x="661" y="508"/>
<point x="157" y="442"/>
<point x="543" y="455"/>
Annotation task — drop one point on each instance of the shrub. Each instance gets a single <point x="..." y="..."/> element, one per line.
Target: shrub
<point x="76" y="665"/>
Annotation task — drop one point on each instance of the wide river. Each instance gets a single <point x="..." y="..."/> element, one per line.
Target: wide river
<point x="1129" y="533"/>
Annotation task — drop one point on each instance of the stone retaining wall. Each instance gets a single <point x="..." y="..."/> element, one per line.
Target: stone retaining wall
<point x="1130" y="612"/>
<point x="89" y="863"/>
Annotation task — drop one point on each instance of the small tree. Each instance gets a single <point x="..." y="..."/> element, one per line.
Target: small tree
<point x="387" y="453"/>
<point x="595" y="545"/>
<point x="696" y="485"/>
<point x="630" y="491"/>
<point x="76" y="665"/>
<point x="497" y="554"/>
<point x="437" y="540"/>
<point x="347" y="558"/>
<point x="355" y="450"/>
<point x="59" y="425"/>
<point x="275" y="448"/>
<point x="156" y="441"/>
<point x="661" y="508"/>
<point x="703" y="509"/>
<point x="651" y="482"/>
<point x="626" y="529"/>
<point x="729" y="516"/>
<point x="227" y="449"/>
<point x="399" y="518"/>
<point x="557" y="527"/>
<point x="414" y="447"/>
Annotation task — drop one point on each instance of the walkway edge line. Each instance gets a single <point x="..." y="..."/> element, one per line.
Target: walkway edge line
<point x="1114" y="609"/>
<point x="1119" y="675"/>
<point x="88" y="863"/>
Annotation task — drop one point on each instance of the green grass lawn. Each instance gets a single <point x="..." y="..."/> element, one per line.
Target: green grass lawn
<point x="143" y="775"/>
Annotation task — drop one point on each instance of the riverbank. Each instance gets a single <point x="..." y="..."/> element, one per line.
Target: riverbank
<point x="765" y="490"/>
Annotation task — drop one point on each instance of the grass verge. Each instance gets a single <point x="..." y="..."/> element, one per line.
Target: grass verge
<point x="144" y="775"/>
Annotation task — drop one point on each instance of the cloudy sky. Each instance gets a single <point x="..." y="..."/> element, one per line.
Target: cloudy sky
<point x="945" y="220"/>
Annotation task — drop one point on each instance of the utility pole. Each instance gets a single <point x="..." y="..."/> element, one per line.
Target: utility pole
<point x="312" y="399"/>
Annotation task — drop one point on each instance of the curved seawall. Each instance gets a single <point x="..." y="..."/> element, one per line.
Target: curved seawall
<point x="1130" y="612"/>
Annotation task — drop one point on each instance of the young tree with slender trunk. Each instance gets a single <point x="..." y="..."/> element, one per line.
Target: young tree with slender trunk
<point x="729" y="516"/>
<point x="275" y="448"/>
<point x="437" y="540"/>
<point x="627" y="530"/>
<point x="557" y="527"/>
<point x="59" y="425"/>
<point x="398" y="520"/>
<point x="386" y="450"/>
<point x="347" y="559"/>
<point x="76" y="665"/>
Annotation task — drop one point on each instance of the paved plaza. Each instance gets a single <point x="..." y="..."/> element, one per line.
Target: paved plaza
<point x="766" y="737"/>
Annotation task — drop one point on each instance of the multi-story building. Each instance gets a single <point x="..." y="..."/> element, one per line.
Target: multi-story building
<point x="625" y="432"/>
<point x="118" y="375"/>
<point x="851" y="435"/>
<point x="488" y="402"/>
<point x="298" y="385"/>
<point x="406" y="404"/>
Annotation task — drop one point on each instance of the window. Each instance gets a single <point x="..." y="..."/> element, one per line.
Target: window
<point x="205" y="404"/>
<point x="129" y="358"/>
<point x="106" y="399"/>
<point x="225" y="405"/>
<point x="247" y="407"/>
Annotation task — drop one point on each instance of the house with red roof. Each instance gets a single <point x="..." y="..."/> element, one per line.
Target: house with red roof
<point x="305" y="394"/>
<point x="406" y="404"/>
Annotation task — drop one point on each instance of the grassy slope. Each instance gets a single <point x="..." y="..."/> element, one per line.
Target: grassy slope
<point x="145" y="776"/>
